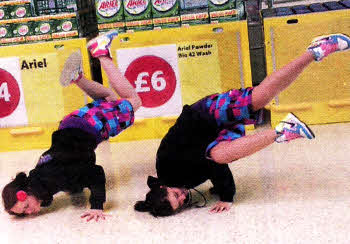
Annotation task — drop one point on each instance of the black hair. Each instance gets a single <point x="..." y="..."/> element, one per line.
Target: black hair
<point x="9" y="197"/>
<point x="156" y="203"/>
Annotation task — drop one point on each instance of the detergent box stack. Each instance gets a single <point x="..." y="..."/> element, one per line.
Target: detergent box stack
<point x="24" y="21"/>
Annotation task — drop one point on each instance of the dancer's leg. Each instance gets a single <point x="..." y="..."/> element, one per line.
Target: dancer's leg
<point x="272" y="85"/>
<point x="95" y="90"/>
<point x="291" y="127"/>
<point x="99" y="47"/>
<point x="119" y="83"/>
<point x="73" y="73"/>
<point x="228" y="151"/>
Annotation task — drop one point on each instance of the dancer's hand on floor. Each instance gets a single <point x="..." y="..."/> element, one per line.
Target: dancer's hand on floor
<point x="96" y="214"/>
<point x="221" y="207"/>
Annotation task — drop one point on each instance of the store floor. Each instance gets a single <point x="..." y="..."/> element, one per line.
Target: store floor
<point x="287" y="193"/>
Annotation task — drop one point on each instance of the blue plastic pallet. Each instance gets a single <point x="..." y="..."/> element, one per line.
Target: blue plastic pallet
<point x="283" y="11"/>
<point x="346" y="3"/>
<point x="317" y="7"/>
<point x="304" y="9"/>
<point x="301" y="9"/>
<point x="333" y="5"/>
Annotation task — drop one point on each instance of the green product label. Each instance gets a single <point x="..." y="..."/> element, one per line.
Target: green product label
<point x="20" y="11"/>
<point x="109" y="11"/>
<point x="4" y="13"/>
<point x="139" y="28"/>
<point x="194" y="17"/>
<point x="137" y="10"/>
<point x="216" y="5"/>
<point x="65" y="25"/>
<point x="5" y="31"/>
<point x="43" y="27"/>
<point x="165" y="8"/>
<point x="22" y="29"/>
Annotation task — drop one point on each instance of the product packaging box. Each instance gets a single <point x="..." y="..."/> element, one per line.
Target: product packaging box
<point x="5" y="30"/>
<point x="42" y="31"/>
<point x="138" y="15"/>
<point x="110" y="15"/>
<point x="166" y="13"/>
<point x="22" y="29"/>
<point x="20" y="11"/>
<point x="194" y="12"/>
<point x="12" y="40"/>
<point x="225" y="10"/>
<point x="65" y="28"/>
<point x="4" y="12"/>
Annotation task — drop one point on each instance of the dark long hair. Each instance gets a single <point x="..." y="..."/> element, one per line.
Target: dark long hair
<point x="9" y="192"/>
<point x="156" y="202"/>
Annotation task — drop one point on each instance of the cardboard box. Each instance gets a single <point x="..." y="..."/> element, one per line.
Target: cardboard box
<point x="20" y="11"/>
<point x="41" y="31"/>
<point x="166" y="13"/>
<point x="223" y="11"/>
<point x="138" y="15"/>
<point x="4" y="12"/>
<point x="110" y="14"/>
<point x="5" y="30"/>
<point x="65" y="28"/>
<point x="194" y="12"/>
<point x="22" y="29"/>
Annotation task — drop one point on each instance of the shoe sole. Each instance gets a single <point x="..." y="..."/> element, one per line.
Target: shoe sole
<point x="307" y="129"/>
<point x="72" y="63"/>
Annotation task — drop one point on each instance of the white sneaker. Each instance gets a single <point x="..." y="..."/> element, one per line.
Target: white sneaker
<point x="322" y="46"/>
<point x="100" y="46"/>
<point x="291" y="128"/>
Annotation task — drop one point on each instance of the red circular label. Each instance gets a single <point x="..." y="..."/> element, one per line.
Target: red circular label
<point x="153" y="79"/>
<point x="9" y="93"/>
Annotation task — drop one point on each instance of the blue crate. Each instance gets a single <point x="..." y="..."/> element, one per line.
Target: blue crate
<point x="301" y="9"/>
<point x="333" y="5"/>
<point x="346" y="3"/>
<point x="283" y="11"/>
<point x="317" y="7"/>
<point x="269" y="12"/>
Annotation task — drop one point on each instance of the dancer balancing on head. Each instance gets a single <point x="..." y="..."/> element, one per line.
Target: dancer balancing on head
<point x="70" y="163"/>
<point x="209" y="134"/>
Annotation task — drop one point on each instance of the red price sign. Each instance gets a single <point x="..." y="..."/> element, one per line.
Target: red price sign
<point x="9" y="93"/>
<point x="153" y="78"/>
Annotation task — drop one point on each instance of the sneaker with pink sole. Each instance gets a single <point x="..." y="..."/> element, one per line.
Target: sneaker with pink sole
<point x="100" y="46"/>
<point x="322" y="46"/>
<point x="291" y="128"/>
